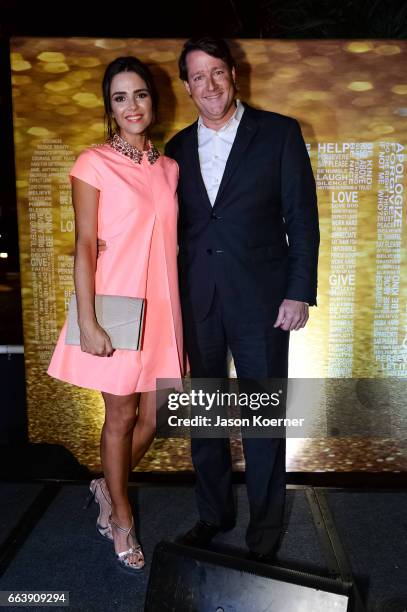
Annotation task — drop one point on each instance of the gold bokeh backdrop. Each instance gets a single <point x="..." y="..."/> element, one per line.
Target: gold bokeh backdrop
<point x="350" y="99"/>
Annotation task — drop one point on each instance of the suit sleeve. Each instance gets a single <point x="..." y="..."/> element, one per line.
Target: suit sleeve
<point x="300" y="212"/>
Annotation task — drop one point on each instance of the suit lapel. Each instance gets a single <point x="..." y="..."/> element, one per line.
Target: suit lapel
<point x="193" y="161"/>
<point x="245" y="132"/>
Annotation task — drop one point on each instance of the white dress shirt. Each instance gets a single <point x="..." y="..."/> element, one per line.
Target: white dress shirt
<point x="214" y="147"/>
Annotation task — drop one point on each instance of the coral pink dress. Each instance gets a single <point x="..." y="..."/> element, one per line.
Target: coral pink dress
<point x="137" y="217"/>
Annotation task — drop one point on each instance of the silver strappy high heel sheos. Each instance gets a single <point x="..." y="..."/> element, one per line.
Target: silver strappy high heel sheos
<point x="100" y="494"/>
<point x="134" y="550"/>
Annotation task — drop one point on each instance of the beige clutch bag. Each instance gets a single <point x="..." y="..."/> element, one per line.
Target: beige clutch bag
<point x="121" y="318"/>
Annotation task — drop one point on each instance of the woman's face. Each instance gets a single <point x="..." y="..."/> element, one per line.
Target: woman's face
<point x="131" y="106"/>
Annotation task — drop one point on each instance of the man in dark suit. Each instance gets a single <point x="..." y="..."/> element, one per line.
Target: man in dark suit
<point x="248" y="251"/>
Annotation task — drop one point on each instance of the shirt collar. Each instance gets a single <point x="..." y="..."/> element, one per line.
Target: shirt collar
<point x="236" y="117"/>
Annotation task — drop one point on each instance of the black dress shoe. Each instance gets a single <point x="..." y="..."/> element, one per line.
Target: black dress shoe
<point x="201" y="534"/>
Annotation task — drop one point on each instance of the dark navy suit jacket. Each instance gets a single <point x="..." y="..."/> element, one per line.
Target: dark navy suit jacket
<point x="259" y="243"/>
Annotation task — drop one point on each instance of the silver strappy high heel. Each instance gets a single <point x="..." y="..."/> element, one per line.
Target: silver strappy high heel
<point x="100" y="494"/>
<point x="124" y="557"/>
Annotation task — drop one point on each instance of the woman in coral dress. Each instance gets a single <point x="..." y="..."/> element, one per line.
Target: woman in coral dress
<point x="124" y="192"/>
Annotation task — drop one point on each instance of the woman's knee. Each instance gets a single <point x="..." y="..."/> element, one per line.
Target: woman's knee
<point x="121" y="416"/>
<point x="147" y="419"/>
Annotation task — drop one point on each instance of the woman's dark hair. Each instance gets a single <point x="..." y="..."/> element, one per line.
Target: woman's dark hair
<point x="126" y="64"/>
<point x="216" y="47"/>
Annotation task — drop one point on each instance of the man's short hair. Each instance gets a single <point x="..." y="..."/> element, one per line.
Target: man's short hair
<point x="216" y="47"/>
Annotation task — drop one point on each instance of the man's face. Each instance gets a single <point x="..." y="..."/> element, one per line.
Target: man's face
<point x="211" y="84"/>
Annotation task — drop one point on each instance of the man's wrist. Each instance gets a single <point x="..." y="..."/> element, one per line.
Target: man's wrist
<point x="294" y="300"/>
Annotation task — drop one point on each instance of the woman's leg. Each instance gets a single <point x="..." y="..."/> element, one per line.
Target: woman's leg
<point x="115" y="451"/>
<point x="145" y="427"/>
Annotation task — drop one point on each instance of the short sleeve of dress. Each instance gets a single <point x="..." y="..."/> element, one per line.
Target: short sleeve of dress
<point x="177" y="166"/>
<point x="174" y="165"/>
<point x="86" y="168"/>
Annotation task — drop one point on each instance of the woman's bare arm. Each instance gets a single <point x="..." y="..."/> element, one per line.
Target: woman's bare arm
<point x="86" y="200"/>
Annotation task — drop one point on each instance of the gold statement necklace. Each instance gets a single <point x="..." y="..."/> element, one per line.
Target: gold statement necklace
<point x="125" y="148"/>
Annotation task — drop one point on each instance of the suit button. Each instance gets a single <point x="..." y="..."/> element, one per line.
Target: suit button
<point x="209" y="251"/>
<point x="214" y="216"/>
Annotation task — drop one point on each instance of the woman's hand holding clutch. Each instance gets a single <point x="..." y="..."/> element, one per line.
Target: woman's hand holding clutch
<point x="94" y="340"/>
